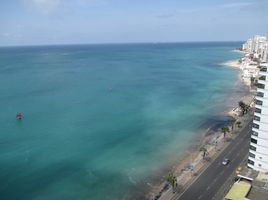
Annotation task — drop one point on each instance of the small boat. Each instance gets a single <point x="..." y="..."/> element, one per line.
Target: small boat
<point x="18" y="116"/>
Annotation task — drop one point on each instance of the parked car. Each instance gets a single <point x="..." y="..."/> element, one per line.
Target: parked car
<point x="225" y="161"/>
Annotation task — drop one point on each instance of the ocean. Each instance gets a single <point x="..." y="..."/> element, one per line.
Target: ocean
<point x="100" y="121"/>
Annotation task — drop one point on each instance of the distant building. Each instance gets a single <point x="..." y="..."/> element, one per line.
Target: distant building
<point x="258" y="47"/>
<point x="264" y="52"/>
<point x="258" y="151"/>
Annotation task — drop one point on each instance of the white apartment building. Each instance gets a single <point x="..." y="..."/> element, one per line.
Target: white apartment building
<point x="264" y="52"/>
<point x="258" y="151"/>
<point x="256" y="45"/>
<point x="247" y="47"/>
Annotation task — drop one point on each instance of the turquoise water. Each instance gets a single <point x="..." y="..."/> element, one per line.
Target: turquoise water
<point x="100" y="120"/>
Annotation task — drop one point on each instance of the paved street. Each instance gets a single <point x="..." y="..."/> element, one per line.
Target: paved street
<point x="210" y="181"/>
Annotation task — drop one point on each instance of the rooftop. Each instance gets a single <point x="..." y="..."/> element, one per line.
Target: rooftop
<point x="259" y="190"/>
<point x="238" y="191"/>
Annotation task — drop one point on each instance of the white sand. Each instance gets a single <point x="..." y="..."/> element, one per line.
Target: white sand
<point x="232" y="63"/>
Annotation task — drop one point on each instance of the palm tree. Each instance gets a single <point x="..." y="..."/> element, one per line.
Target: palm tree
<point x="252" y="81"/>
<point x="232" y="122"/>
<point x="204" y="151"/>
<point x="172" y="180"/>
<point x="224" y="130"/>
<point x="244" y="107"/>
<point x="238" y="124"/>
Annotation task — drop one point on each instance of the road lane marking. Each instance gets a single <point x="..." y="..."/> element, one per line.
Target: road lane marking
<point x="208" y="188"/>
<point x="243" y="134"/>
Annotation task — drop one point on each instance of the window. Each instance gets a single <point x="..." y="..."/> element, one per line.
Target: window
<point x="259" y="165"/>
<point x="257" y="110"/>
<point x="264" y="69"/>
<point x="252" y="155"/>
<point x="262" y="78"/>
<point x="257" y="118"/>
<point x="250" y="162"/>
<point x="257" y="126"/>
<point x="253" y="140"/>
<point x="260" y="94"/>
<point x="255" y="133"/>
<point x="261" y="86"/>
<point x="252" y="148"/>
<point x="258" y="102"/>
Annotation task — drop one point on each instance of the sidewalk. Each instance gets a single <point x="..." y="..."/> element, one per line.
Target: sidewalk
<point x="187" y="175"/>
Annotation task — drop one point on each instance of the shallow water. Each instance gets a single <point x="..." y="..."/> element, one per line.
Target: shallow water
<point x="99" y="120"/>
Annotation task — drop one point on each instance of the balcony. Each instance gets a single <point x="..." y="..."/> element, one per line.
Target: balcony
<point x="256" y="118"/>
<point x="263" y="78"/>
<point x="254" y="133"/>
<point x="258" y="102"/>
<point x="260" y="94"/>
<point x="251" y="147"/>
<point x="252" y="155"/>
<point x="261" y="82"/>
<point x="261" y="90"/>
<point x="257" y="110"/>
<point x="260" y="86"/>
<point x="264" y="69"/>
<point x="260" y="98"/>
<point x="254" y="141"/>
<point x="257" y="114"/>
<point x="257" y="126"/>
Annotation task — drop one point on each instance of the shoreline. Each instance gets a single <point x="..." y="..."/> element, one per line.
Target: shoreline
<point x="232" y="63"/>
<point x="212" y="139"/>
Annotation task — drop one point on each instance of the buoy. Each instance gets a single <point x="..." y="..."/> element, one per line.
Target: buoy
<point x="18" y="116"/>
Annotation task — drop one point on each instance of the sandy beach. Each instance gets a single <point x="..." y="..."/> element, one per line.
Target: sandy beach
<point x="238" y="51"/>
<point x="232" y="63"/>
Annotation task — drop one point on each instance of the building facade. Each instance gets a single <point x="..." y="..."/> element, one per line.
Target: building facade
<point x="258" y="151"/>
<point x="258" y="46"/>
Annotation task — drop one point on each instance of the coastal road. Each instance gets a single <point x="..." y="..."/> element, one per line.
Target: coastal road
<point x="210" y="181"/>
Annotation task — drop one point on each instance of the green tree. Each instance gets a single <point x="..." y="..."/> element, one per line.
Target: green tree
<point x="204" y="151"/>
<point x="224" y="130"/>
<point x="172" y="180"/>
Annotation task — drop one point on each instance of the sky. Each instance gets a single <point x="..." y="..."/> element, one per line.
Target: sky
<point x="43" y="22"/>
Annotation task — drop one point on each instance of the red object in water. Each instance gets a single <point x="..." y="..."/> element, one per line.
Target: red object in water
<point x="18" y="116"/>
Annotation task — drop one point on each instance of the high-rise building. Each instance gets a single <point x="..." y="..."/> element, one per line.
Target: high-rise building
<point x="258" y="151"/>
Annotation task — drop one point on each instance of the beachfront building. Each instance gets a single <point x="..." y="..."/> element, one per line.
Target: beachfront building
<point x="264" y="52"/>
<point x="257" y="46"/>
<point x="247" y="46"/>
<point x="250" y="71"/>
<point x="258" y="151"/>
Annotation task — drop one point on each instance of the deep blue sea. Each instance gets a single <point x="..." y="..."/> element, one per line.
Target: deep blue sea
<point x="99" y="121"/>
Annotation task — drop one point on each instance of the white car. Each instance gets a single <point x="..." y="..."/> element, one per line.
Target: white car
<point x="225" y="161"/>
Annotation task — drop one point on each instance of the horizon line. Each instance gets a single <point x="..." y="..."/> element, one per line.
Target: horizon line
<point x="116" y="43"/>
